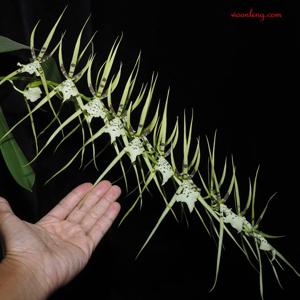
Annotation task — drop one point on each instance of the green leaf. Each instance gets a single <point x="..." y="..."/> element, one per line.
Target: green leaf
<point x="51" y="70"/>
<point x="8" y="45"/>
<point x="14" y="158"/>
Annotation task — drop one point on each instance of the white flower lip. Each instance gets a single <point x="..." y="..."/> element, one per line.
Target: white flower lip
<point x="239" y="223"/>
<point x="263" y="243"/>
<point x="236" y="221"/>
<point x="33" y="94"/>
<point x="95" y="109"/>
<point x="31" y="68"/>
<point x="114" y="128"/>
<point x="187" y="193"/>
<point x="68" y="89"/>
<point x="135" y="148"/>
<point x="164" y="167"/>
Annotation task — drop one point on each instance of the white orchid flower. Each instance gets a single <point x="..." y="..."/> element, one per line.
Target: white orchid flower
<point x="32" y="94"/>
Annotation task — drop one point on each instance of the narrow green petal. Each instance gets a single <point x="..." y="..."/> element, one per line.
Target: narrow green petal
<point x="261" y="284"/>
<point x="163" y="215"/>
<point x="32" y="47"/>
<point x="89" y="43"/>
<point x="253" y="198"/>
<point x="147" y="104"/>
<point x="9" y="76"/>
<point x="111" y="165"/>
<point x="237" y="197"/>
<point x="220" y="245"/>
<point x="275" y="272"/>
<point x="202" y="221"/>
<point x="264" y="211"/>
<point x="129" y="87"/>
<point x="173" y="134"/>
<point x="69" y="134"/>
<point x="39" y="105"/>
<point x="56" y="132"/>
<point x="50" y="36"/>
<point x="223" y="173"/>
<point x="154" y="120"/>
<point x="140" y="96"/>
<point x="107" y="67"/>
<point x="248" y="200"/>
<point x="32" y="127"/>
<point x="76" y="50"/>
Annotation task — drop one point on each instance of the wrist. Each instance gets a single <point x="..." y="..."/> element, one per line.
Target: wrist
<point x="18" y="281"/>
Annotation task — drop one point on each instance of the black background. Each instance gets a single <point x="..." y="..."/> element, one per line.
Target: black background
<point x="240" y="76"/>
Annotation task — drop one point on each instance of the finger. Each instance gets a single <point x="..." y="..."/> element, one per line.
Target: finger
<point x="104" y="223"/>
<point x="95" y="212"/>
<point x="68" y="203"/>
<point x="90" y="199"/>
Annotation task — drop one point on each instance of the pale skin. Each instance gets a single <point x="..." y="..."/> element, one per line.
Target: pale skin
<point x="41" y="257"/>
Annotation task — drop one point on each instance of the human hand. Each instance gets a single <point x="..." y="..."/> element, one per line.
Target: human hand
<point x="56" y="248"/>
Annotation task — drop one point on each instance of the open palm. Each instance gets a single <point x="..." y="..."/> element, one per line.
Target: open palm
<point x="58" y="246"/>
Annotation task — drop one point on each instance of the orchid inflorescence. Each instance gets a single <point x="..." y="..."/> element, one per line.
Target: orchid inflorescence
<point x="150" y="150"/>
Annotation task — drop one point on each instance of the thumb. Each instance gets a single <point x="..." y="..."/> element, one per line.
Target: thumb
<point x="8" y="225"/>
<point x="4" y="207"/>
<point x="5" y="210"/>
